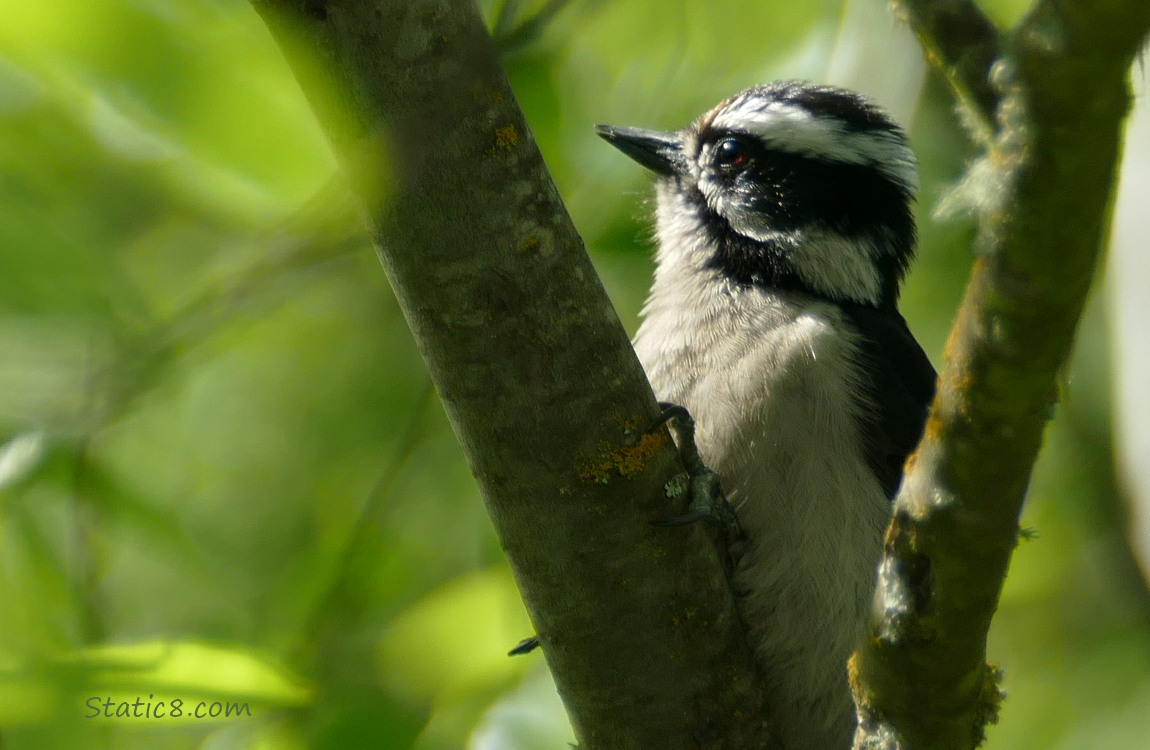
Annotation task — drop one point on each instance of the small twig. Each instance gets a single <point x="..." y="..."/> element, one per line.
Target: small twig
<point x="512" y="40"/>
<point x="963" y="44"/>
<point x="364" y="532"/>
<point x="504" y="18"/>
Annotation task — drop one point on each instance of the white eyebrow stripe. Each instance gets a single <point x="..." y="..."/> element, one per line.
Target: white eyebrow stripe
<point x="795" y="129"/>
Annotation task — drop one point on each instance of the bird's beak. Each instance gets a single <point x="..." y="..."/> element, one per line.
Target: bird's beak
<point x="662" y="153"/>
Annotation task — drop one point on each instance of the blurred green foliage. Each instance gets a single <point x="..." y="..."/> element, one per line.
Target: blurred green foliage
<point x="224" y="476"/>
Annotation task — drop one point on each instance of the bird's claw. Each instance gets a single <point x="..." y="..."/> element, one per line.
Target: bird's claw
<point x="707" y="501"/>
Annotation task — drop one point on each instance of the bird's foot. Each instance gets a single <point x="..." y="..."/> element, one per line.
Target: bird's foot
<point x="707" y="501"/>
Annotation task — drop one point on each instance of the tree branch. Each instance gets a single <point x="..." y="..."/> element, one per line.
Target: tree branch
<point x="921" y="680"/>
<point x="963" y="44"/>
<point x="536" y="373"/>
<point x="512" y="40"/>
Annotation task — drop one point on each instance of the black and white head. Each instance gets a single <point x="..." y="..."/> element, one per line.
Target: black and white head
<point x="789" y="186"/>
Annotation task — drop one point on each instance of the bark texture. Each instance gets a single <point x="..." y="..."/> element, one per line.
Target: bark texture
<point x="538" y="378"/>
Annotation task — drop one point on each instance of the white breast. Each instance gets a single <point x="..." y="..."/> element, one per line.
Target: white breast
<point x="768" y="376"/>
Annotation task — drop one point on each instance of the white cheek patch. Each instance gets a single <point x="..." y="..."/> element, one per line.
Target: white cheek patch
<point x="794" y="129"/>
<point x="826" y="261"/>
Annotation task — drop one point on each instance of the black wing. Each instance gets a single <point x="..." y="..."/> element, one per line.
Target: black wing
<point x="902" y="382"/>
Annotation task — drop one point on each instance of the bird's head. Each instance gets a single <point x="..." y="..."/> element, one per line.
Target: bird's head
<point x="788" y="185"/>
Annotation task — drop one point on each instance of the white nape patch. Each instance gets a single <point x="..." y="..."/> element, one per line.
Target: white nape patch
<point x="795" y="129"/>
<point x="836" y="265"/>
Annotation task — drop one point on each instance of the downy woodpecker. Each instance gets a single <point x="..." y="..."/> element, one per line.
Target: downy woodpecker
<point x="784" y="229"/>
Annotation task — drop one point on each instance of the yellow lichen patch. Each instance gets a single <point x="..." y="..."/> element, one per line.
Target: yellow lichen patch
<point x="900" y="533"/>
<point x="629" y="424"/>
<point x="890" y="536"/>
<point x="863" y="696"/>
<point x="990" y="700"/>
<point x="626" y="461"/>
<point x="959" y="380"/>
<point x="911" y="460"/>
<point x="853" y="671"/>
<point x="597" y="471"/>
<point x="954" y="353"/>
<point x="633" y="459"/>
<point x="935" y="424"/>
<point x="506" y="137"/>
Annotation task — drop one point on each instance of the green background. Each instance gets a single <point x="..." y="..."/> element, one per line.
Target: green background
<point x="224" y="475"/>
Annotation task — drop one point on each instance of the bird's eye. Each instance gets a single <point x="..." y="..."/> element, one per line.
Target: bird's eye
<point x="731" y="153"/>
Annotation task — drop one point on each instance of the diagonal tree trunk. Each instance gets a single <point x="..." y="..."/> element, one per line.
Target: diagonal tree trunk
<point x="541" y="385"/>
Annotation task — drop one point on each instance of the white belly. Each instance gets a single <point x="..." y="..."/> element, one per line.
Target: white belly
<point x="775" y="402"/>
